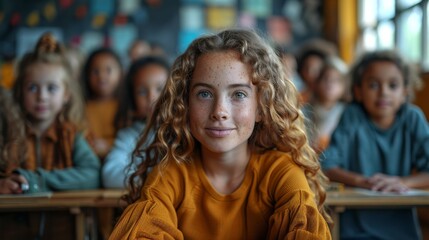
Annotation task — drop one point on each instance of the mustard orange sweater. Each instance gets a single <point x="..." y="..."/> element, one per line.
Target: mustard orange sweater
<point x="274" y="201"/>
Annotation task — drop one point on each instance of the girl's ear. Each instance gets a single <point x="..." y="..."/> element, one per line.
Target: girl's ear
<point x="357" y="93"/>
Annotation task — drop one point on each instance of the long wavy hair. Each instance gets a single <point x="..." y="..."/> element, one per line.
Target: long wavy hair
<point x="12" y="140"/>
<point x="281" y="128"/>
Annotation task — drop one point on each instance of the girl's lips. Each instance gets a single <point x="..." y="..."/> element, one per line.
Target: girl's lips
<point x="382" y="103"/>
<point x="218" y="133"/>
<point x="41" y="109"/>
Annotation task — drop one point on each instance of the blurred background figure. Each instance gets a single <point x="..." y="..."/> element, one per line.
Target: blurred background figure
<point x="139" y="48"/>
<point x="310" y="59"/>
<point x="328" y="103"/>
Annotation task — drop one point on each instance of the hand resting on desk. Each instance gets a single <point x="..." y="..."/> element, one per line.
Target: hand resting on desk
<point x="12" y="184"/>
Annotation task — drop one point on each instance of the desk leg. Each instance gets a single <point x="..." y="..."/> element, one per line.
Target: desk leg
<point x="79" y="222"/>
<point x="335" y="214"/>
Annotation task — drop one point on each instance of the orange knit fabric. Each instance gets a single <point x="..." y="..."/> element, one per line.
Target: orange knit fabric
<point x="274" y="201"/>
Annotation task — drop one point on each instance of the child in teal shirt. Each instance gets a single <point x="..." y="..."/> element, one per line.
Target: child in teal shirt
<point x="380" y="140"/>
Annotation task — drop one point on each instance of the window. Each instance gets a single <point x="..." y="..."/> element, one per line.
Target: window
<point x="400" y="24"/>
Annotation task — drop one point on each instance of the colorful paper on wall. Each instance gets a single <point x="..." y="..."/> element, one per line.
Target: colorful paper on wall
<point x="230" y="3"/>
<point x="81" y="11"/>
<point x="246" y="20"/>
<point x="191" y="17"/>
<point x="140" y="16"/>
<point x="258" y="8"/>
<point x="192" y="2"/>
<point x="15" y="19"/>
<point x="49" y="11"/>
<point x="186" y="37"/>
<point x="91" y="40"/>
<point x="220" y="17"/>
<point x="99" y="21"/>
<point x="102" y="6"/>
<point x="122" y="37"/>
<point x="128" y="7"/>
<point x="65" y="3"/>
<point x="33" y="19"/>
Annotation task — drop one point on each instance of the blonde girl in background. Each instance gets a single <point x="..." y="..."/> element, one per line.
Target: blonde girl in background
<point x="58" y="156"/>
<point x="230" y="158"/>
<point x="102" y="74"/>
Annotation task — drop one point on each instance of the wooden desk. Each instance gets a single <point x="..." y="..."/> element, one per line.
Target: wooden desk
<point x="76" y="201"/>
<point x="350" y="198"/>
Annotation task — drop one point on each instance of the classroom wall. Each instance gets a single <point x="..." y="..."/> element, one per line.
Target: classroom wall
<point x="172" y="24"/>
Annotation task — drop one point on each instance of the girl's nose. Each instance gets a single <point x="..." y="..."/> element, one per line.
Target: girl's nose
<point x="220" y="111"/>
<point x="384" y="89"/>
<point x="42" y="94"/>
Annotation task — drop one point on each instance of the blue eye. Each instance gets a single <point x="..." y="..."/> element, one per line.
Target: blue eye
<point x="240" y="95"/>
<point x="52" y="88"/>
<point x="142" y="92"/>
<point x="393" y="86"/>
<point x="204" y="94"/>
<point x="373" y="85"/>
<point x="32" y="88"/>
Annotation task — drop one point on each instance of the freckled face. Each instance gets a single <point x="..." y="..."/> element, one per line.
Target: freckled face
<point x="222" y="103"/>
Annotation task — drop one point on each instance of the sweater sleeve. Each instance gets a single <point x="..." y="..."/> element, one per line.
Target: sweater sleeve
<point x="295" y="215"/>
<point x="83" y="175"/>
<point x="301" y="220"/>
<point x="114" y="171"/>
<point x="152" y="217"/>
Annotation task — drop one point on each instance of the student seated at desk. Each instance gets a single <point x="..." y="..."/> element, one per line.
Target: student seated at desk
<point x="142" y="87"/>
<point x="380" y="140"/>
<point x="229" y="158"/>
<point x="58" y="156"/>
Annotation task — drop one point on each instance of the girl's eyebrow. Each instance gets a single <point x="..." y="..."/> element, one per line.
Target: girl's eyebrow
<point x="236" y="85"/>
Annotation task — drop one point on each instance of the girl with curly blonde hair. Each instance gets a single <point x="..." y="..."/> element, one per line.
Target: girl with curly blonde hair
<point x="230" y="158"/>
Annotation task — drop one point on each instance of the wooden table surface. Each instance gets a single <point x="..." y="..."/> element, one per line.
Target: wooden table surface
<point x="338" y="201"/>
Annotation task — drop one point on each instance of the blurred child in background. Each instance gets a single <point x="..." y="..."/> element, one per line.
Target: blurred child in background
<point x="325" y="109"/>
<point x="310" y="59"/>
<point x="380" y="141"/>
<point x="58" y="156"/>
<point x="102" y="75"/>
<point x="142" y="87"/>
